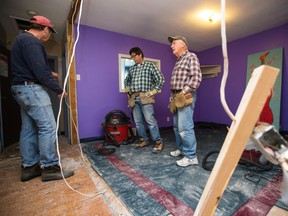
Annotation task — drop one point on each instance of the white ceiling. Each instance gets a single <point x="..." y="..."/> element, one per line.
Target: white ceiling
<point x="155" y="20"/>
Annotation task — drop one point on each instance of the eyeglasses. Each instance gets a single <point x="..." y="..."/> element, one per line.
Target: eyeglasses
<point x="49" y="29"/>
<point x="133" y="56"/>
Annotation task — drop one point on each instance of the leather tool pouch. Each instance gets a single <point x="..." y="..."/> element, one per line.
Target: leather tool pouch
<point x="172" y="106"/>
<point x="146" y="100"/>
<point x="182" y="100"/>
<point x="131" y="100"/>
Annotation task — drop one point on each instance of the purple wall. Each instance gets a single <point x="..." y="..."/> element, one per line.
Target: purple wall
<point x="209" y="107"/>
<point x="98" y="90"/>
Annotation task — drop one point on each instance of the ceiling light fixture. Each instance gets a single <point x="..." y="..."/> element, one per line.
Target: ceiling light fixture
<point x="209" y="16"/>
<point x="213" y="18"/>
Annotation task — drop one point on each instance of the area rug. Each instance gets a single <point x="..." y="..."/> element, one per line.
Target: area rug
<point x="152" y="184"/>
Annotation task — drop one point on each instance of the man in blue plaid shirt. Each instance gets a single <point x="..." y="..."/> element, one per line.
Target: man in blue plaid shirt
<point x="185" y="80"/>
<point x="142" y="82"/>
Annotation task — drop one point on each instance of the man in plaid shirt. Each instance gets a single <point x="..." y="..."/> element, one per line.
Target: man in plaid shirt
<point x="142" y="82"/>
<point x="186" y="78"/>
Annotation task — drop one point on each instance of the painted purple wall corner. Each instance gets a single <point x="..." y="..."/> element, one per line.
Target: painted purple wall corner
<point x="98" y="90"/>
<point x="209" y="107"/>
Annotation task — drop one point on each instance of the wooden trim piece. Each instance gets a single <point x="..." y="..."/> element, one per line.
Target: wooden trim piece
<point x="73" y="112"/>
<point x="75" y="7"/>
<point x="255" y="95"/>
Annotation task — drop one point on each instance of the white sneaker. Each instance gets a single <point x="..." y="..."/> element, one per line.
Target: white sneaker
<point x="175" y="153"/>
<point x="185" y="161"/>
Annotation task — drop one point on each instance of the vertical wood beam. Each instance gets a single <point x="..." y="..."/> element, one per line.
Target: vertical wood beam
<point x="255" y="95"/>
<point x="71" y="82"/>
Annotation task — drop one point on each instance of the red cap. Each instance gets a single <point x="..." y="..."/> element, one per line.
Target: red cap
<point x="41" y="20"/>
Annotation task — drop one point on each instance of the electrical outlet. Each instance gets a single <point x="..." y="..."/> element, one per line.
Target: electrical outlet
<point x="77" y="76"/>
<point x="168" y="119"/>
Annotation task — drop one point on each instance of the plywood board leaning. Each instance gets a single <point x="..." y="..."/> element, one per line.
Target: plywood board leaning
<point x="251" y="104"/>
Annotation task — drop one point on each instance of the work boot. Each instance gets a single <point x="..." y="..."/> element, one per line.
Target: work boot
<point x="54" y="173"/>
<point x="158" y="147"/>
<point x="142" y="144"/>
<point x="31" y="172"/>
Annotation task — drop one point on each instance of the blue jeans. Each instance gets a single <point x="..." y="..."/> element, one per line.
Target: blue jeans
<point x="38" y="131"/>
<point x="184" y="129"/>
<point x="145" y="112"/>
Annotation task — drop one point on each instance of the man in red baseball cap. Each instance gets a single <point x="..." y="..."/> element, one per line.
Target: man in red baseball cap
<point x="31" y="79"/>
<point x="43" y="21"/>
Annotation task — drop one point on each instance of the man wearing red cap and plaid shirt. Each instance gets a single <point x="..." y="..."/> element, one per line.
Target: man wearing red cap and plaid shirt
<point x="31" y="77"/>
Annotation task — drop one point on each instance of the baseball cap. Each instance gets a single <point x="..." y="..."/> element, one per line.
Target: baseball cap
<point x="41" y="20"/>
<point x="170" y="39"/>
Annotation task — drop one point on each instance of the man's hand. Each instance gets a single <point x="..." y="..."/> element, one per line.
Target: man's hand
<point x="151" y="93"/>
<point x="127" y="90"/>
<point x="55" y="75"/>
<point x="64" y="93"/>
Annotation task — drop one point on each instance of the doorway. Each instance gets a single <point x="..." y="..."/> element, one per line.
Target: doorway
<point x="9" y="110"/>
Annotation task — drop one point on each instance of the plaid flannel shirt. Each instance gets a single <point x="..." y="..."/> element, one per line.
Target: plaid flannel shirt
<point x="186" y="74"/>
<point x="144" y="77"/>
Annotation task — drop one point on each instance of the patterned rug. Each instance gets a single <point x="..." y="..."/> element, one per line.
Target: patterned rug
<point x="152" y="184"/>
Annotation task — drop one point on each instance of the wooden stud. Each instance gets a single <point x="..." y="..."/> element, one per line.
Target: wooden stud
<point x="251" y="105"/>
<point x="71" y="84"/>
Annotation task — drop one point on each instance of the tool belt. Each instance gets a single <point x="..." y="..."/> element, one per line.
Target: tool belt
<point x="180" y="100"/>
<point x="146" y="100"/>
<point x="143" y="99"/>
<point x="131" y="100"/>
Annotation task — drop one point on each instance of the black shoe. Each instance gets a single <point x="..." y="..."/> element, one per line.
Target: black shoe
<point x="31" y="172"/>
<point x="54" y="173"/>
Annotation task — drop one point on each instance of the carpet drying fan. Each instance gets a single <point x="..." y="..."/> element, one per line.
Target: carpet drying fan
<point x="275" y="149"/>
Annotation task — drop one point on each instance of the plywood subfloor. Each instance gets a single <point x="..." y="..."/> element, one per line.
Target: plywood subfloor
<point x="35" y="197"/>
<point x="56" y="198"/>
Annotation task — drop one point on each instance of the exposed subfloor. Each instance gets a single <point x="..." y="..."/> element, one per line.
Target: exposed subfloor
<point x="56" y="198"/>
<point x="35" y="197"/>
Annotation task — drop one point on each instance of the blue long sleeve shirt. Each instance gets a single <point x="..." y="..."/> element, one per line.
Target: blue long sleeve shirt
<point x="29" y="62"/>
